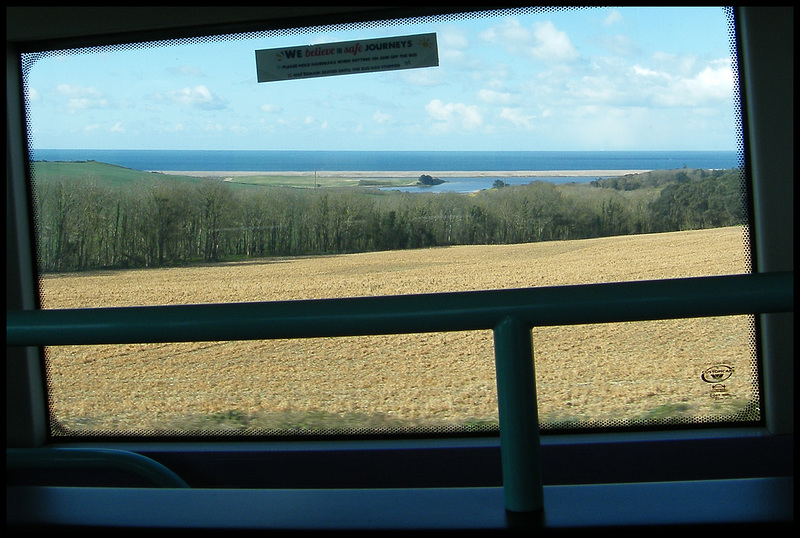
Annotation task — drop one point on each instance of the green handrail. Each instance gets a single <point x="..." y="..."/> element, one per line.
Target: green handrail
<point x="441" y="312"/>
<point x="510" y="314"/>
<point x="518" y="415"/>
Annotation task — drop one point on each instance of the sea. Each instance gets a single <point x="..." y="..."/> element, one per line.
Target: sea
<point x="428" y="162"/>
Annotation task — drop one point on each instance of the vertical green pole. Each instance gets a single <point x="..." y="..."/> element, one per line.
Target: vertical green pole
<point x="519" y="418"/>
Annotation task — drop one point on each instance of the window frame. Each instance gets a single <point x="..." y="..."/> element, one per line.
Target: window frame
<point x="614" y="457"/>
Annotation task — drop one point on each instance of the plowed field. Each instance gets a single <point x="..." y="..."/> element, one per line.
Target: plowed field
<point x="597" y="374"/>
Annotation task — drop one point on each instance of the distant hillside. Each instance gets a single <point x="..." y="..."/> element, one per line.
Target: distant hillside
<point x="103" y="173"/>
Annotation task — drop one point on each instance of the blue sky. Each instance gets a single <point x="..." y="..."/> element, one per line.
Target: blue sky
<point x="601" y="79"/>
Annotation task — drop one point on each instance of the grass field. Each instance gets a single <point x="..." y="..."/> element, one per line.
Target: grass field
<point x="607" y="374"/>
<point x="108" y="174"/>
<point x="113" y="175"/>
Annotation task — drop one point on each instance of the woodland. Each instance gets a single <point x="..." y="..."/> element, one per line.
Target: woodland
<point x="97" y="221"/>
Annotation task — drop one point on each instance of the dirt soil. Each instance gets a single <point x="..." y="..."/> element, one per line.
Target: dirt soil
<point x="605" y="374"/>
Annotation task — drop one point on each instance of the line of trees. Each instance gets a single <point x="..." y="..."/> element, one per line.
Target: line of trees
<point x="83" y="224"/>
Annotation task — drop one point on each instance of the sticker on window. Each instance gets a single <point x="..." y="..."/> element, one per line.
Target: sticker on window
<point x="347" y="57"/>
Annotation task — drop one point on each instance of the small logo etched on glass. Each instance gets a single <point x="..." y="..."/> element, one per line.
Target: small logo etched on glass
<point x="716" y="375"/>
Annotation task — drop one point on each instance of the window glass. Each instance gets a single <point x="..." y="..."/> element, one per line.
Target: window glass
<point x="509" y="149"/>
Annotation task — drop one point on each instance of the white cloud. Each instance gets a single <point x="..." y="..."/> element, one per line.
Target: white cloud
<point x="197" y="97"/>
<point x="494" y="97"/>
<point x="686" y="87"/>
<point x="496" y="83"/>
<point x="511" y="35"/>
<point x="613" y="16"/>
<point x="380" y="117"/>
<point x="80" y="104"/>
<point x="452" y="38"/>
<point x="594" y="89"/>
<point x="618" y="45"/>
<point x="118" y="128"/>
<point x="454" y="115"/>
<point x="186" y="70"/>
<point x="453" y="44"/>
<point x="607" y="126"/>
<point x="270" y="109"/>
<point x="680" y="65"/>
<point x="82" y="97"/>
<point x="543" y="41"/>
<point x="78" y="91"/>
<point x="517" y="117"/>
<point x="552" y="44"/>
<point x="646" y="72"/>
<point x="714" y="81"/>
<point x="420" y="78"/>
